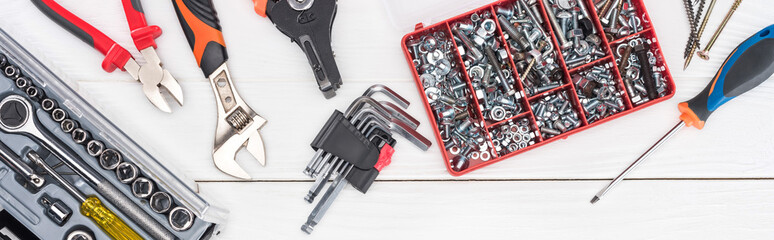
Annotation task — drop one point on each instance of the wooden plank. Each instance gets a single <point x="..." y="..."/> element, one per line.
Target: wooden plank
<point x="268" y="69"/>
<point x="506" y="210"/>
<point x="729" y="146"/>
<point x="367" y="45"/>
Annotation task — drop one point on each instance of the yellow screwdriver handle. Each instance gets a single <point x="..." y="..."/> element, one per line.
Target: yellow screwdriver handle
<point x="107" y="220"/>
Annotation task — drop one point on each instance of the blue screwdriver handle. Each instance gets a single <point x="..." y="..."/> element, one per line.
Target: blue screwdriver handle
<point x="749" y="65"/>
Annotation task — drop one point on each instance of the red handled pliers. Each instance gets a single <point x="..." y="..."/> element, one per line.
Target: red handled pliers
<point x="151" y="75"/>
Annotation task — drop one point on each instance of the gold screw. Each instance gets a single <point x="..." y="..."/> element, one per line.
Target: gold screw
<point x="704" y="54"/>
<point x="699" y="34"/>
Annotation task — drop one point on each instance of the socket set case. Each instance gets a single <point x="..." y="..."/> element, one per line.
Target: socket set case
<point x="529" y="112"/>
<point x="24" y="202"/>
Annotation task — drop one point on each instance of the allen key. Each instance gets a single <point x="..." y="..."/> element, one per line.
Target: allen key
<point x="354" y="107"/>
<point x="365" y="117"/>
<point x="379" y="88"/>
<point x="370" y="119"/>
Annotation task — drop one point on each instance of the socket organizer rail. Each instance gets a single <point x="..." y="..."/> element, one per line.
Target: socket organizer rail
<point x="47" y="127"/>
<point x="515" y="75"/>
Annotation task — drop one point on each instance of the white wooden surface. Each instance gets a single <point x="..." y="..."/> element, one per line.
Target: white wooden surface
<point x="710" y="184"/>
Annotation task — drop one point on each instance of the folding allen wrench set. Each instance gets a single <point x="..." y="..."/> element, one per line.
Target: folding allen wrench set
<point x="356" y="145"/>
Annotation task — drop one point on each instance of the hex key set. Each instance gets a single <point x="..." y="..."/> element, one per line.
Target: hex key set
<point x="353" y="147"/>
<point x="515" y="75"/>
<point x="60" y="157"/>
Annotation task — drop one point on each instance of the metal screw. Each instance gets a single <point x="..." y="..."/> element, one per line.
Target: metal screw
<point x="704" y="54"/>
<point x="696" y="44"/>
<point x="554" y="115"/>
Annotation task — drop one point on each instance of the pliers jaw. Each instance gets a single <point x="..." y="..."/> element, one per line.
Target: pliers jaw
<point x="151" y="75"/>
<point x="311" y="30"/>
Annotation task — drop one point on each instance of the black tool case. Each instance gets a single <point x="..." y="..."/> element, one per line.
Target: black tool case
<point x="23" y="203"/>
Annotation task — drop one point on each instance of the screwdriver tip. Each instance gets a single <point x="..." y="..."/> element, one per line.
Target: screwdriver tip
<point x="594" y="200"/>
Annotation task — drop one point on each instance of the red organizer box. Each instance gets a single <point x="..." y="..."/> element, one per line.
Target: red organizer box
<point x="611" y="56"/>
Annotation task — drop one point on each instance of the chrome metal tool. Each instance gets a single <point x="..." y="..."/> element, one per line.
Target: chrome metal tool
<point x="17" y="117"/>
<point x="238" y="125"/>
<point x="151" y="74"/>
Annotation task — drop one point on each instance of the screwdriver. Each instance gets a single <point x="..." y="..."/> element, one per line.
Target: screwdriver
<point x="749" y="65"/>
<point x="91" y="206"/>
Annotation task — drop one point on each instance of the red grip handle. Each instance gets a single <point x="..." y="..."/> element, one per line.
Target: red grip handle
<point x="115" y="55"/>
<point x="143" y="35"/>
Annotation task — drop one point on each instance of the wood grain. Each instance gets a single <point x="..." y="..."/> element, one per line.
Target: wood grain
<point x="709" y="184"/>
<point x="638" y="210"/>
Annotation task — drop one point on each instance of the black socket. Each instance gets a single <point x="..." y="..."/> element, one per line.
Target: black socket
<point x="12" y="72"/>
<point x="22" y="83"/>
<point x="3" y="60"/>
<point x="36" y="94"/>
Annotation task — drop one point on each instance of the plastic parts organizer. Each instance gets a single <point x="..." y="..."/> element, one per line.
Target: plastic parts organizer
<point x="524" y="125"/>
<point x="23" y="203"/>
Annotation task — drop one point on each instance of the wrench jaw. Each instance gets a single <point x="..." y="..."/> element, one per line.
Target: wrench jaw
<point x="229" y="141"/>
<point x="256" y="148"/>
<point x="238" y="126"/>
<point x="225" y="160"/>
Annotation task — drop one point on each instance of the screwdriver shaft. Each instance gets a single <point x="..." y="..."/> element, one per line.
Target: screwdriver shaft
<point x="638" y="161"/>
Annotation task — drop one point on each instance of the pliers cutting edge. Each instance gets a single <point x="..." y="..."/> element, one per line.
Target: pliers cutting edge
<point x="152" y="76"/>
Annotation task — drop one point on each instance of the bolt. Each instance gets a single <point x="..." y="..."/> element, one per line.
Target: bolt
<point x="552" y="17"/>
<point x="472" y="50"/>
